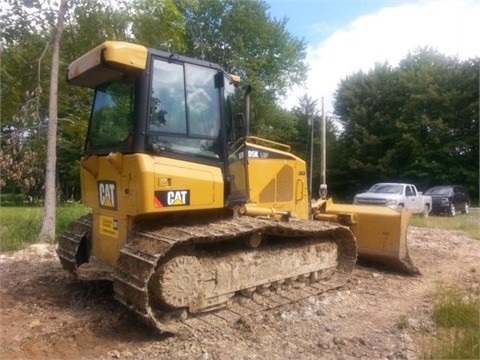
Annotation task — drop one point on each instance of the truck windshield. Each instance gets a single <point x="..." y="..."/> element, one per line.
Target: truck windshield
<point x="184" y="111"/>
<point x="439" y="191"/>
<point x="386" y="189"/>
<point x="111" y="120"/>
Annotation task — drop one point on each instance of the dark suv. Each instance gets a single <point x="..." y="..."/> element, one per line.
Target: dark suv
<point x="449" y="199"/>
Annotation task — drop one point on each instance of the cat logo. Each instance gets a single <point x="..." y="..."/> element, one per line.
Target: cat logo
<point x="172" y="198"/>
<point x="107" y="194"/>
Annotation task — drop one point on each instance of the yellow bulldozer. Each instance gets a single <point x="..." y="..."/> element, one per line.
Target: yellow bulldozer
<point x="191" y="215"/>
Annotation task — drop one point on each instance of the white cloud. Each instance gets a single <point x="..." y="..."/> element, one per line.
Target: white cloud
<point x="451" y="27"/>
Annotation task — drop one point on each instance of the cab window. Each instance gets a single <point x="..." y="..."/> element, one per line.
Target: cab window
<point x="184" y="114"/>
<point x="111" y="121"/>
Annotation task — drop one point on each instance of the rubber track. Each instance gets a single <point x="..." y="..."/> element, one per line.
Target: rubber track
<point x="147" y="248"/>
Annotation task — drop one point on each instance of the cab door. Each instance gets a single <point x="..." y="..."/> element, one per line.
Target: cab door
<point x="414" y="201"/>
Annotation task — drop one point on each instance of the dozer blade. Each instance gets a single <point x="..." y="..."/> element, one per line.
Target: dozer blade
<point x="381" y="233"/>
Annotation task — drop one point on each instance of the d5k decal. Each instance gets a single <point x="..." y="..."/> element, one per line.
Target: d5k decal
<point x="172" y="198"/>
<point x="107" y="194"/>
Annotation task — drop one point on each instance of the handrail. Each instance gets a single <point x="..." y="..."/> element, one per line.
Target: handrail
<point x="259" y="141"/>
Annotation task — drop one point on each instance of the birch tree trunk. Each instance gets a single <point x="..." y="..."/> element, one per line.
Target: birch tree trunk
<point x="47" y="233"/>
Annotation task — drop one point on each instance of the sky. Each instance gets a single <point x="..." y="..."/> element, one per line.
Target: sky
<point x="344" y="37"/>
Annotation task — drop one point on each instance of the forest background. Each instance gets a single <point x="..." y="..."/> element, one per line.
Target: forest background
<point x="416" y="122"/>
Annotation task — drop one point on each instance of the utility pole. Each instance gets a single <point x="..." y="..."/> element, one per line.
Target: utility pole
<point x="310" y="175"/>
<point x="323" y="150"/>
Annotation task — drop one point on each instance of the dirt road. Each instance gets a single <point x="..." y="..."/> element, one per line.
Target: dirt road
<point x="45" y="314"/>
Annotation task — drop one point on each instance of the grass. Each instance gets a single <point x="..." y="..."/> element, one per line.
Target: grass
<point x="19" y="226"/>
<point x="456" y="315"/>
<point x="466" y="223"/>
<point x="457" y="321"/>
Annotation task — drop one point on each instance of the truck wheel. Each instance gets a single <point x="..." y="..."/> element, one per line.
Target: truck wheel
<point x="466" y="209"/>
<point x="425" y="212"/>
<point x="451" y="210"/>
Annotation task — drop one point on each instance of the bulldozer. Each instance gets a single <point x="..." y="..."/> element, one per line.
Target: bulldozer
<point x="191" y="215"/>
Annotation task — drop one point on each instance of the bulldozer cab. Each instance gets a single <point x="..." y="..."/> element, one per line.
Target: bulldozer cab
<point x="156" y="103"/>
<point x="188" y="110"/>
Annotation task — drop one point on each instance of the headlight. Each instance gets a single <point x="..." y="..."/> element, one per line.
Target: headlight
<point x="391" y="202"/>
<point x="445" y="201"/>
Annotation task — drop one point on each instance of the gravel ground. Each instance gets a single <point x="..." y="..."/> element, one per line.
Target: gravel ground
<point x="45" y="314"/>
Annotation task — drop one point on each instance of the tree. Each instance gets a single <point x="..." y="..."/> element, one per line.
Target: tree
<point x="160" y="24"/>
<point x="91" y="22"/>
<point x="16" y="158"/>
<point x="417" y="122"/>
<point x="23" y="74"/>
<point x="47" y="233"/>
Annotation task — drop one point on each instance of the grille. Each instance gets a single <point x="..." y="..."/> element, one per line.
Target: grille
<point x="369" y="201"/>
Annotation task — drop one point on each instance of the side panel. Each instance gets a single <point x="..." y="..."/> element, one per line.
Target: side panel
<point x="180" y="184"/>
<point x="143" y="184"/>
<point x="277" y="179"/>
<point x="237" y="171"/>
<point x="109" y="233"/>
<point x="121" y="187"/>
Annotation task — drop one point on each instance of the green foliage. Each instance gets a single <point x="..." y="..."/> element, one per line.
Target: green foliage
<point x="91" y="22"/>
<point x="160" y="25"/>
<point x="67" y="213"/>
<point x="19" y="226"/>
<point x="21" y="19"/>
<point x="457" y="319"/>
<point x="70" y="144"/>
<point x="25" y="70"/>
<point x="11" y="198"/>
<point x="22" y="77"/>
<point x="17" y="153"/>
<point x="278" y="126"/>
<point x="417" y="122"/>
<point x="466" y="223"/>
<point x="452" y="309"/>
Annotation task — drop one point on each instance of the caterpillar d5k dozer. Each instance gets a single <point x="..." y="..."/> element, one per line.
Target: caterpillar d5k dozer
<point x="192" y="218"/>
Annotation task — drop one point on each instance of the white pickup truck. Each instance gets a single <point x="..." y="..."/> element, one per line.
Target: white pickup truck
<point x="396" y="196"/>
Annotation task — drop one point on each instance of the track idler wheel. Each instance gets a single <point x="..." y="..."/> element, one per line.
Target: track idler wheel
<point x="177" y="282"/>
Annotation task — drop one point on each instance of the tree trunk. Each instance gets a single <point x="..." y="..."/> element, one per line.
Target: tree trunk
<point x="47" y="233"/>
